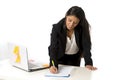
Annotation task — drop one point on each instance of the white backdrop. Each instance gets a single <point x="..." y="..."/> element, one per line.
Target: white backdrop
<point x="29" y="22"/>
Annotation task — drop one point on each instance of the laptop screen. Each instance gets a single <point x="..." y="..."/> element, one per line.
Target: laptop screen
<point x="18" y="56"/>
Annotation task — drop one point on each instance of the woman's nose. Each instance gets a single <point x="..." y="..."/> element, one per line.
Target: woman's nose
<point x="71" y="24"/>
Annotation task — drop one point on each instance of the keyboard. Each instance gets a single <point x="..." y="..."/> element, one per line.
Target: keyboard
<point x="31" y="65"/>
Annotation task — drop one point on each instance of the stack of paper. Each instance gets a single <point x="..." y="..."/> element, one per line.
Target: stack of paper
<point x="64" y="71"/>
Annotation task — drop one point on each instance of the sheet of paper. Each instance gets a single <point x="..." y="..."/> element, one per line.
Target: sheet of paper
<point x="64" y="71"/>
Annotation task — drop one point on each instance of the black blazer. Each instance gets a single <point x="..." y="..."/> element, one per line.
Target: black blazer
<point x="58" y="43"/>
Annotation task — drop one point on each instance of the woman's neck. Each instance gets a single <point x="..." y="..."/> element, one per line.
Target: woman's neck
<point x="69" y="33"/>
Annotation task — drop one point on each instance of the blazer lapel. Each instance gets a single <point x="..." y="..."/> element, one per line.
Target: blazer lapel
<point x="64" y="37"/>
<point x="77" y="37"/>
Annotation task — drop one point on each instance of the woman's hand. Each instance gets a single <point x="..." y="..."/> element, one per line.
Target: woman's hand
<point x="90" y="67"/>
<point x="53" y="69"/>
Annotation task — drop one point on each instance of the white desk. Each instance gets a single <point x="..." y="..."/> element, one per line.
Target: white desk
<point x="8" y="72"/>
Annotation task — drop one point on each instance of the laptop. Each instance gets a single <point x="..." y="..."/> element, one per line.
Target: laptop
<point x="19" y="58"/>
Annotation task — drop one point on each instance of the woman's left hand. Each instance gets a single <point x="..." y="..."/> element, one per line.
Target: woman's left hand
<point x="90" y="67"/>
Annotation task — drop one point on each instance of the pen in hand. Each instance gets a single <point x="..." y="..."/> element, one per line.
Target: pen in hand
<point x="53" y="69"/>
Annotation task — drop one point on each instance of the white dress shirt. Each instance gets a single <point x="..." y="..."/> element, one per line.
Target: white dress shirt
<point x="71" y="46"/>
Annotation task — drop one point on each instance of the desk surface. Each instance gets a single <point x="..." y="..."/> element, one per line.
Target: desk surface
<point x="8" y="72"/>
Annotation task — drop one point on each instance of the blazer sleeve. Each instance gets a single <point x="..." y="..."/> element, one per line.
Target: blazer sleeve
<point x="53" y="48"/>
<point x="86" y="42"/>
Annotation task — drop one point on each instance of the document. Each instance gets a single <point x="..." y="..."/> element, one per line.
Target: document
<point x="63" y="71"/>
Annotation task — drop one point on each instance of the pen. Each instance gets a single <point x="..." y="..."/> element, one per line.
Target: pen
<point x="53" y="63"/>
<point x="54" y="69"/>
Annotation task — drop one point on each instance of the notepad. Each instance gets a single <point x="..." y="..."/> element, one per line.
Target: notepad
<point x="63" y="71"/>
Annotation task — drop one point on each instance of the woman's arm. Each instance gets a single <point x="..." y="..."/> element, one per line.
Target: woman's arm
<point x="53" y="47"/>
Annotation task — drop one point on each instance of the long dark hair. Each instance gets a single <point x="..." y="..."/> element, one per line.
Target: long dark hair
<point x="80" y="14"/>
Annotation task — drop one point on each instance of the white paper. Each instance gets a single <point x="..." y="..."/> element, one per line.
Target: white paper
<point x="63" y="71"/>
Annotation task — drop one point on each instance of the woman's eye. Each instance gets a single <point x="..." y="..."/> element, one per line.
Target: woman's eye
<point x="70" y="20"/>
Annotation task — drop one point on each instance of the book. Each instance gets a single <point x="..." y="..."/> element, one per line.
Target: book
<point x="63" y="71"/>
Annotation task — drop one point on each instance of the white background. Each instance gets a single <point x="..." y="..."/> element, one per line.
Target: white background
<point x="29" y="22"/>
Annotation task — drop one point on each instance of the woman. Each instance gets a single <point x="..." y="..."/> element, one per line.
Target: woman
<point x="70" y="39"/>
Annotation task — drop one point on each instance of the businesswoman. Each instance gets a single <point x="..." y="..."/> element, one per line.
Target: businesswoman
<point x="70" y="39"/>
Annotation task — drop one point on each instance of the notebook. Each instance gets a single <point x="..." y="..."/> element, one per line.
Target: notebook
<point x="19" y="58"/>
<point x="63" y="71"/>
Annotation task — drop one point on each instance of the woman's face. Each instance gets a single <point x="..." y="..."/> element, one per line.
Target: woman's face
<point x="71" y="22"/>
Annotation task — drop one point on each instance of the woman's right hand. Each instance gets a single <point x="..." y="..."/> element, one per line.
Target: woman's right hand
<point x="53" y="69"/>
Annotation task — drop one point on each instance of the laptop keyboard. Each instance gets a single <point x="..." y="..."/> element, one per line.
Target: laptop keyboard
<point x="32" y="65"/>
